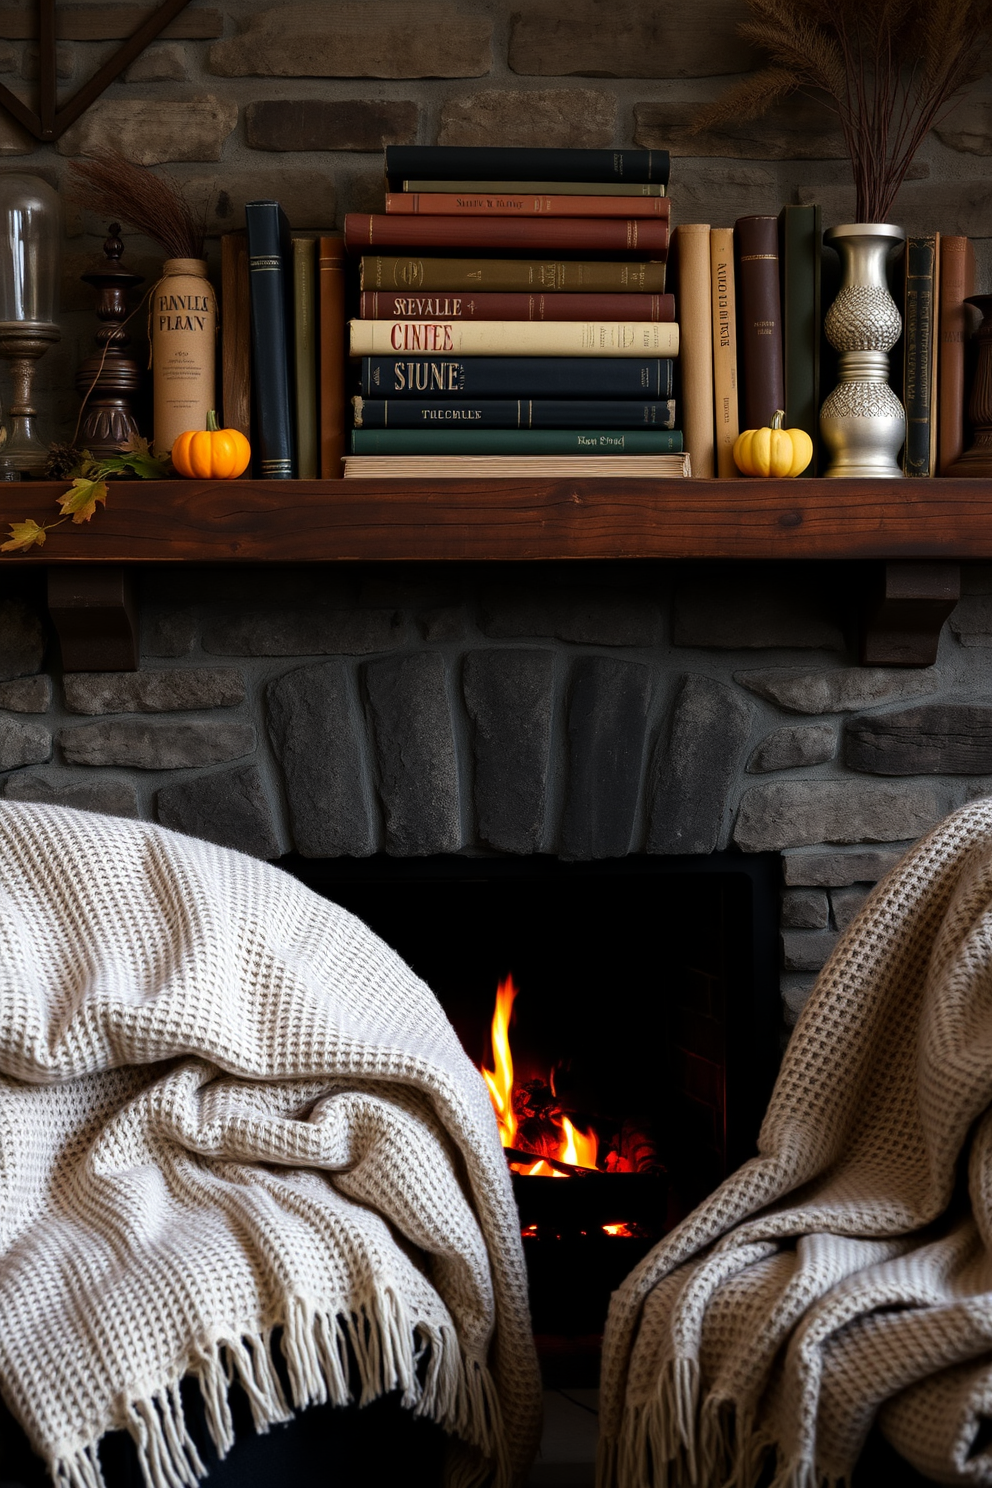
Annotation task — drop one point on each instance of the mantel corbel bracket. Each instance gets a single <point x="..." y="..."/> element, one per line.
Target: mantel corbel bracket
<point x="92" y="609"/>
<point x="905" y="612"/>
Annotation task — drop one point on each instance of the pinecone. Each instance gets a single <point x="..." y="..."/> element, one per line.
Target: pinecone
<point x="63" y="460"/>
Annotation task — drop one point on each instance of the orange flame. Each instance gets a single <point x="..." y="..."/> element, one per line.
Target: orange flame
<point x="580" y="1148"/>
<point x="500" y="1080"/>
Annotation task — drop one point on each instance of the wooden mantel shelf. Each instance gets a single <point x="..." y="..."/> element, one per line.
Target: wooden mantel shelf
<point x="504" y="520"/>
<point x="916" y="531"/>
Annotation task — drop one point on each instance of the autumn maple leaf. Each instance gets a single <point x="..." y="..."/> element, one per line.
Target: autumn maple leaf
<point x="79" y="503"/>
<point x="25" y="535"/>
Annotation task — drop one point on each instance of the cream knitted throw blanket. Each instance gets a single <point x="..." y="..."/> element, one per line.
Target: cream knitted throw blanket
<point x="846" y="1272"/>
<point x="227" y="1108"/>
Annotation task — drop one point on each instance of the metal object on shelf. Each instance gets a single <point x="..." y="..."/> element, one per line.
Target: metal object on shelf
<point x="30" y="255"/>
<point x="111" y="375"/>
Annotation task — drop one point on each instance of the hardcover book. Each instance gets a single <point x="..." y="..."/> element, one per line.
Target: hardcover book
<point x="513" y="413"/>
<point x="305" y="355"/>
<point x="612" y="235"/>
<point x="727" y="424"/>
<point x="801" y="236"/>
<point x="516" y="467"/>
<point x="957" y="282"/>
<point x="759" y="327"/>
<point x="566" y="338"/>
<point x="695" y="309"/>
<point x="506" y="162"/>
<point x="331" y="282"/>
<point x="550" y="188"/>
<point x="919" y="353"/>
<point x="493" y="305"/>
<point x="235" y="362"/>
<point x="465" y="441"/>
<point x="546" y="275"/>
<point x="495" y="204"/>
<point x="270" y="283"/>
<point x="516" y="377"/>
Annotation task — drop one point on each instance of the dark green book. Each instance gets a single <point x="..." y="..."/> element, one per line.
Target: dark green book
<point x="516" y="442"/>
<point x="305" y="343"/>
<point x="919" y="346"/>
<point x="800" y="241"/>
<point x="512" y="413"/>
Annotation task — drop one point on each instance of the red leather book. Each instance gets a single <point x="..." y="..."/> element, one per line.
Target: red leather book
<point x="492" y="305"/>
<point x="616" y="236"/>
<point x="759" y="307"/>
<point x="531" y="204"/>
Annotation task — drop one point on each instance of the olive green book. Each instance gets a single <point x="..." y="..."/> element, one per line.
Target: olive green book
<point x="544" y="188"/>
<point x="600" y="276"/>
<point x="305" y="324"/>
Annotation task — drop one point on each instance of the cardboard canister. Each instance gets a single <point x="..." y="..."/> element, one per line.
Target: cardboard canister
<point x="183" y="347"/>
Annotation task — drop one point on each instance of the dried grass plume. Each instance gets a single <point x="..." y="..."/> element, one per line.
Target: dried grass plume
<point x="154" y="205"/>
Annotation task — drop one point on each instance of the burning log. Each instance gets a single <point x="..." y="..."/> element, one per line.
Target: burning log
<point x="567" y="1170"/>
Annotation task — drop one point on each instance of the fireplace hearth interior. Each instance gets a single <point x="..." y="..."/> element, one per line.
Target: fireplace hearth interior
<point x="646" y="1015"/>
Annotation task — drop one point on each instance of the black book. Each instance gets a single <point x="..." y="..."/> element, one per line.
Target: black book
<point x="505" y="163"/>
<point x="436" y="377"/>
<point x="270" y="288"/>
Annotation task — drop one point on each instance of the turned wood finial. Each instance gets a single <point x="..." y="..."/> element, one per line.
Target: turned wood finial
<point x="113" y="375"/>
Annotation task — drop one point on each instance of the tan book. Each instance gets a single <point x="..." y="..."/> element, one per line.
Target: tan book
<point x="694" y="308"/>
<point x="567" y="338"/>
<point x="489" y="467"/>
<point x="724" y="349"/>
<point x="957" y="282"/>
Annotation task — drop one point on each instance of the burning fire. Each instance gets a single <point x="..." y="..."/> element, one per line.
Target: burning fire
<point x="575" y="1148"/>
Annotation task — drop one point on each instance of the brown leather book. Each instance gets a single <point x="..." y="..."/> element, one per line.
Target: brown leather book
<point x="694" y="302"/>
<point x="235" y="349"/>
<point x="616" y="235"/>
<point x="331" y="262"/>
<point x="492" y="305"/>
<point x="759" y="304"/>
<point x="530" y="204"/>
<point x="957" y="281"/>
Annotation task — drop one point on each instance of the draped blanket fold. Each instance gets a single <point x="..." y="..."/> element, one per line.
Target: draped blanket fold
<point x="843" y="1275"/>
<point x="234" y="1122"/>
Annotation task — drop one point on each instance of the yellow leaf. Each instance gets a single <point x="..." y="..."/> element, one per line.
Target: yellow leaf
<point x="24" y="535"/>
<point x="80" y="502"/>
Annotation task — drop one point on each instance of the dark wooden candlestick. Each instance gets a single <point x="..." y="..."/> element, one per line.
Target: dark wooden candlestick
<point x="977" y="461"/>
<point x="112" y="374"/>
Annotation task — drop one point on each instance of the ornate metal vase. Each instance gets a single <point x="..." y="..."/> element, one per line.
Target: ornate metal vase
<point x="862" y="423"/>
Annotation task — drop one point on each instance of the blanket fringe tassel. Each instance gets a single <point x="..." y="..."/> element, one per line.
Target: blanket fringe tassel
<point x="389" y="1350"/>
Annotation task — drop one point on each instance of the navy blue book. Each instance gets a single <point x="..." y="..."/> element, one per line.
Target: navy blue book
<point x="508" y="163"/>
<point x="466" y="441"/>
<point x="512" y="413"/>
<point x="270" y="289"/>
<point x="513" y="377"/>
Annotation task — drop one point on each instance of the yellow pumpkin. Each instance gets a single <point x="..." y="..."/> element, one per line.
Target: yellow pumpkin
<point x="773" y="451"/>
<point x="211" y="453"/>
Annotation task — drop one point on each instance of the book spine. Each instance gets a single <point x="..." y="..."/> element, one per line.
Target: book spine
<point x="498" y="162"/>
<point x="516" y="467"/>
<point x="268" y="280"/>
<point x="513" y="377"/>
<point x="495" y="204"/>
<point x="695" y="308"/>
<point x="235" y="333"/>
<point x="724" y="349"/>
<point x="957" y="282"/>
<point x="305" y="354"/>
<point x="616" y="235"/>
<point x="379" y="305"/>
<point x="331" y="284"/>
<point x="516" y="441"/>
<point x="918" y="347"/>
<point x="625" y="338"/>
<point x="549" y="188"/>
<point x="759" y="326"/>
<point x="514" y="413"/>
<point x="799" y="245"/>
<point x="540" y="275"/>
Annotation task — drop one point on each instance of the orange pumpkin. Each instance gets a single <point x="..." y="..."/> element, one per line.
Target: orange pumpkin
<point x="211" y="453"/>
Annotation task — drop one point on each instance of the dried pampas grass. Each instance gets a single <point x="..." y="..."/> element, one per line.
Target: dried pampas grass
<point x="153" y="205"/>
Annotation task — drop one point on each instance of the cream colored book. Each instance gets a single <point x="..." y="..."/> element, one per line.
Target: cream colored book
<point x="566" y="338"/>
<point x="487" y="467"/>
<point x="724" y="349"/>
<point x="694" y="306"/>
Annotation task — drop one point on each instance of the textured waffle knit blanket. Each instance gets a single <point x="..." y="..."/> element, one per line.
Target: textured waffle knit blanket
<point x="845" y="1273"/>
<point x="232" y="1121"/>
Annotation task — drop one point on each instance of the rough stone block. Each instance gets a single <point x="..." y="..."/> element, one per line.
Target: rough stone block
<point x="316" y="729"/>
<point x="113" y="797"/>
<point x="229" y="807"/>
<point x="443" y="623"/>
<point x="14" y="138"/>
<point x="151" y="131"/>
<point x="607" y="710"/>
<point x="580" y="615"/>
<point x="805" y="909"/>
<point x="968" y="127"/>
<point x="806" y="950"/>
<point x="971" y="620"/>
<point x="22" y="640"/>
<point x="306" y="196"/>
<point x="8" y="57"/>
<point x="697" y="767"/>
<point x="509" y="696"/>
<point x="796" y="813"/>
<point x="936" y="739"/>
<point x="65" y="62"/>
<point x="27" y="695"/>
<point x="134" y="744"/>
<point x="415" y="753"/>
<point x="114" y="22"/>
<point x="789" y="748"/>
<point x="846" y="903"/>
<point x="843" y="690"/>
<point x="752" y="611"/>
<point x="568" y="118"/>
<point x="795" y="989"/>
<point x="330" y="124"/>
<point x="167" y="632"/>
<point x="625" y="38"/>
<point x="159" y="64"/>
<point x="800" y="129"/>
<point x="23" y="744"/>
<point x="434" y="39"/>
<point x="153" y="691"/>
<point x="964" y="205"/>
<point x="304" y="632"/>
<point x="838" y="867"/>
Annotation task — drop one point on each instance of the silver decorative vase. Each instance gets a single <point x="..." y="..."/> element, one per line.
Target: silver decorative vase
<point x="862" y="423"/>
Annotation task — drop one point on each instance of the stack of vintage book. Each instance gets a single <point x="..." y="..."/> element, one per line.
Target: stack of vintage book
<point x="513" y="316"/>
